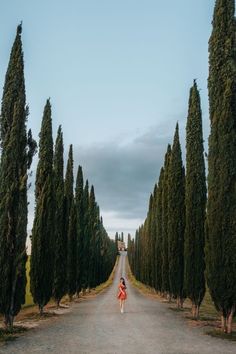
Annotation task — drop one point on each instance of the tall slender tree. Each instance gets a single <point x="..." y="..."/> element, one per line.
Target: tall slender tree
<point x="60" y="245"/>
<point x="159" y="239"/>
<point x="69" y="227"/>
<point x="195" y="200"/>
<point x="80" y="232"/>
<point x="116" y="240"/>
<point x="93" y="237"/>
<point x="86" y="236"/>
<point x="154" y="239"/>
<point x="42" y="257"/>
<point x="16" y="157"/>
<point x="176" y="220"/>
<point x="149" y="245"/>
<point x="165" y="254"/>
<point x="221" y="207"/>
<point x="72" y="248"/>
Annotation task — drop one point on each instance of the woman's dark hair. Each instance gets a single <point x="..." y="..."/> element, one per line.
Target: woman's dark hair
<point x="123" y="281"/>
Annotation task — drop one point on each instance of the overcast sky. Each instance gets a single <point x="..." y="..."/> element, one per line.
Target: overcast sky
<point x="118" y="74"/>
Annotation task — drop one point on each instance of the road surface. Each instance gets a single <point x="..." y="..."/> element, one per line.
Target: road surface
<point x="97" y="326"/>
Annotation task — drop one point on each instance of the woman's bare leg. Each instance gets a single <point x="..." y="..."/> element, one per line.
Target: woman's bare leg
<point x="122" y="306"/>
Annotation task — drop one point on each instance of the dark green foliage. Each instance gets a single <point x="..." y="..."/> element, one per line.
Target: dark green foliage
<point x="42" y="257"/>
<point x="80" y="232"/>
<point x="60" y="245"/>
<point x="165" y="252"/>
<point x="153" y="238"/>
<point x="70" y="229"/>
<point x="195" y="200"/>
<point x="221" y="207"/>
<point x="16" y="157"/>
<point x="14" y="89"/>
<point x="93" y="239"/>
<point x="176" y="219"/>
<point x="148" y="230"/>
<point x="86" y="236"/>
<point x="116" y="240"/>
<point x="72" y="247"/>
<point x="159" y="239"/>
<point x="137" y="251"/>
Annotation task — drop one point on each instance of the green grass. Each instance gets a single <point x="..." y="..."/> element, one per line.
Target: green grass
<point x="219" y="334"/>
<point x="11" y="334"/>
<point x="207" y="309"/>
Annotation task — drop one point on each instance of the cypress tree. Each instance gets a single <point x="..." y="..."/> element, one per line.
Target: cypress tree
<point x="165" y="256"/>
<point x="72" y="244"/>
<point x="60" y="248"/>
<point x="93" y="236"/>
<point x="16" y="157"/>
<point x="42" y="260"/>
<point x="69" y="227"/>
<point x="136" y="270"/>
<point x="99" y="230"/>
<point x="86" y="236"/>
<point x="154" y="239"/>
<point x="80" y="232"/>
<point x="148" y="229"/>
<point x="159" y="239"/>
<point x="13" y="90"/>
<point x="176" y="220"/>
<point x="194" y="280"/>
<point x="116" y="240"/>
<point x="221" y="207"/>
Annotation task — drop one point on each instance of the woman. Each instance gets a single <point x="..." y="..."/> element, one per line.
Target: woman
<point x="122" y="296"/>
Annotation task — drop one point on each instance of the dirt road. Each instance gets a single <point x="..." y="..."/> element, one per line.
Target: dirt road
<point x="97" y="326"/>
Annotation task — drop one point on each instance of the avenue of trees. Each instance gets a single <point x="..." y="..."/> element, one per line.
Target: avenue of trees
<point x="188" y="239"/>
<point x="71" y="250"/>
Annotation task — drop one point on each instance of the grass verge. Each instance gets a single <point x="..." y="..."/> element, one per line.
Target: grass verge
<point x="29" y="316"/>
<point x="209" y="317"/>
<point x="9" y="335"/>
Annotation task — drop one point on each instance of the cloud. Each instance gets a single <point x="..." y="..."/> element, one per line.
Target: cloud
<point x="123" y="172"/>
<point x="124" y="175"/>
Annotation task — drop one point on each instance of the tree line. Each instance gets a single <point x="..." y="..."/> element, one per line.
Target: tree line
<point x="188" y="239"/>
<point x="71" y="250"/>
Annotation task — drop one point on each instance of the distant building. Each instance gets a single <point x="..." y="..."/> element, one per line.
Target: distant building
<point x="121" y="246"/>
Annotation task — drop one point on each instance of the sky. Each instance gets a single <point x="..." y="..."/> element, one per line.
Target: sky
<point x="118" y="74"/>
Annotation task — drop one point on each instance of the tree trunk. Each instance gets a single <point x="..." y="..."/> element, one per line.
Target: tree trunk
<point x="8" y="321"/>
<point x="70" y="297"/>
<point x="229" y="321"/>
<point x="58" y="303"/>
<point x="194" y="310"/>
<point x="223" y="324"/>
<point x="179" y="302"/>
<point x="197" y="312"/>
<point x="41" y="310"/>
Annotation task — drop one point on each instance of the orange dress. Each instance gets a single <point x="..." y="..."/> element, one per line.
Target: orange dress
<point x="122" y="295"/>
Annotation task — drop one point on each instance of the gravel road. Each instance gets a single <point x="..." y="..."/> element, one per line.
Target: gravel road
<point x="97" y="326"/>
